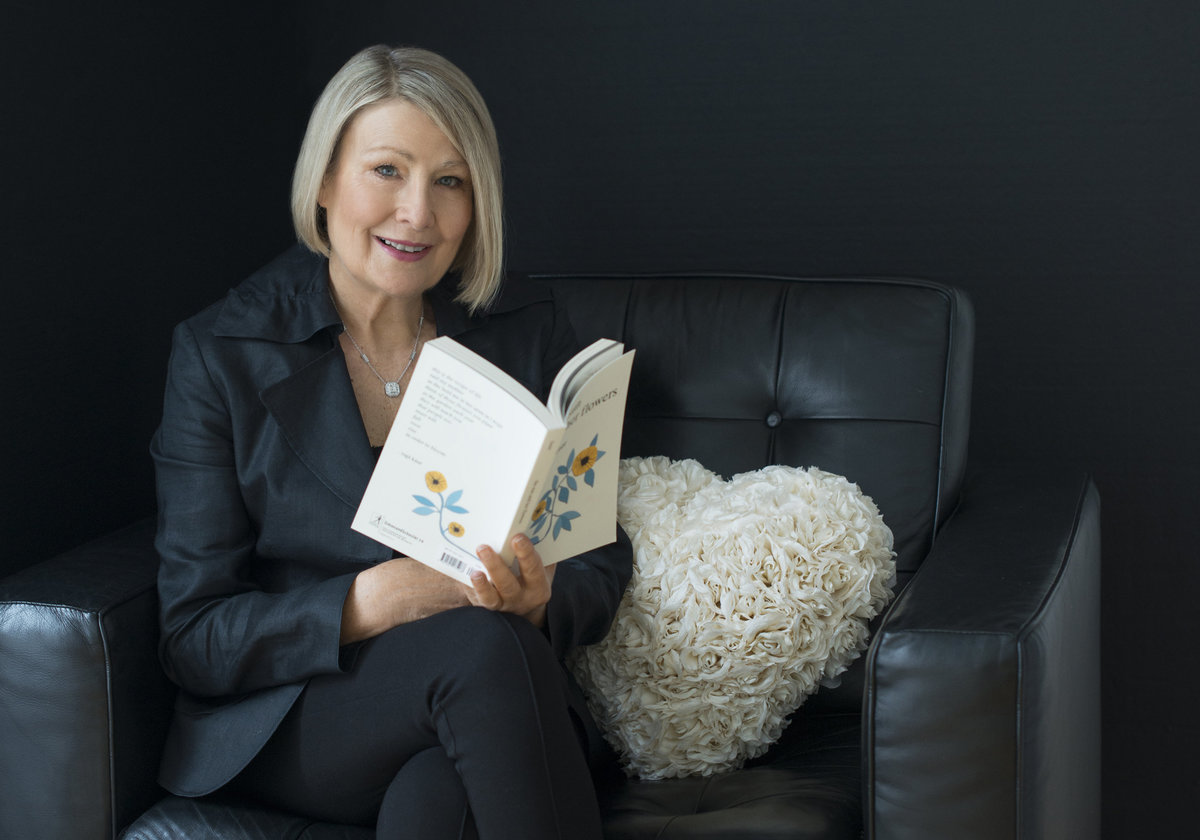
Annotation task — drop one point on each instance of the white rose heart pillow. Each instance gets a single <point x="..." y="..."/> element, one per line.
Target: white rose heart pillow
<point x="745" y="595"/>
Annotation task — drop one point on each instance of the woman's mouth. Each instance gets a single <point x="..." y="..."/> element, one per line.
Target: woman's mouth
<point x="405" y="251"/>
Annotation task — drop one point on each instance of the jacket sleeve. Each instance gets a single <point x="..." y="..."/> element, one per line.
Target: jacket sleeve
<point x="587" y="588"/>
<point x="587" y="591"/>
<point x="222" y="634"/>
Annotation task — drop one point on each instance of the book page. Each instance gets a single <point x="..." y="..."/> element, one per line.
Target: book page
<point x="578" y="370"/>
<point x="455" y="466"/>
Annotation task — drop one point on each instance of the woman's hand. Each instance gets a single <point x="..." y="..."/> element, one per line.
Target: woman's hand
<point x="396" y="592"/>
<point x="525" y="594"/>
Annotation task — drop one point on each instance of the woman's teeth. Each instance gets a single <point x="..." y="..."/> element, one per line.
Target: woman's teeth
<point x="412" y="249"/>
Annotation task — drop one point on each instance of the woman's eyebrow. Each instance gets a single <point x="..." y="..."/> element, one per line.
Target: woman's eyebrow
<point x="383" y="147"/>
<point x="410" y="156"/>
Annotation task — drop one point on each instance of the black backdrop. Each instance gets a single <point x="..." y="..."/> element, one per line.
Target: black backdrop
<point x="1041" y="155"/>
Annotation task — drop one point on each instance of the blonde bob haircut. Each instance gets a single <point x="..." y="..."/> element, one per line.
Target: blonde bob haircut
<point x="445" y="95"/>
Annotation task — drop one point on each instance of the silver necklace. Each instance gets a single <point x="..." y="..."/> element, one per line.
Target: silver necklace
<point x="391" y="388"/>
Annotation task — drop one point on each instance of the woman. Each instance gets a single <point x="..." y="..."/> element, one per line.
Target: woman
<point x="319" y="673"/>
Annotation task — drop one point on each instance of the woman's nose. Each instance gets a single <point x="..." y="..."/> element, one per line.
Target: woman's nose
<point x="414" y="206"/>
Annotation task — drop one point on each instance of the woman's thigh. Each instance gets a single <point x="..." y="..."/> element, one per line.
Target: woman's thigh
<point x="459" y="681"/>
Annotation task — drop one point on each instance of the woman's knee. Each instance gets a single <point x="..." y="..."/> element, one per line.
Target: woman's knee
<point x="468" y="653"/>
<point x="500" y="641"/>
<point x="498" y="653"/>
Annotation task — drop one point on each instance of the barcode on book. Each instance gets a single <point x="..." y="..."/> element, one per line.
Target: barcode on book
<point x="454" y="563"/>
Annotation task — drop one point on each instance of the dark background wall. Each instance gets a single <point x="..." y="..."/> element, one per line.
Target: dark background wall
<point x="1041" y="155"/>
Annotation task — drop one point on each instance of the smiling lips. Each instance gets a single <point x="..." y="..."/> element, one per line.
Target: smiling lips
<point x="406" y="251"/>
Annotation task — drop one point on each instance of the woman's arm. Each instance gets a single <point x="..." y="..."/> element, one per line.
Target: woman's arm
<point x="587" y="592"/>
<point x="586" y="589"/>
<point x="222" y="632"/>
<point x="396" y="592"/>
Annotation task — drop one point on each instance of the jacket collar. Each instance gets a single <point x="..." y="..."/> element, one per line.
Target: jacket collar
<point x="288" y="301"/>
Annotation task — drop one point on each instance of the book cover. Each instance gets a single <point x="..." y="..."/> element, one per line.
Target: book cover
<point x="474" y="458"/>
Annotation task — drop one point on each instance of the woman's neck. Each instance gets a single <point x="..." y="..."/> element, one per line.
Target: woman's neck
<point x="387" y="324"/>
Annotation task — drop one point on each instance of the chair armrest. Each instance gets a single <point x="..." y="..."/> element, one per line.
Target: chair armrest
<point x="83" y="701"/>
<point x="982" y="708"/>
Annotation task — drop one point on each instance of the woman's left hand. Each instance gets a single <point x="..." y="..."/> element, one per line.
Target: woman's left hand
<point x="525" y="594"/>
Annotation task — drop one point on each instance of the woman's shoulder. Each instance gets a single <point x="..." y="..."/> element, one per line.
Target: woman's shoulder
<point x="516" y="292"/>
<point x="522" y="304"/>
<point x="296" y="270"/>
<point x="525" y="331"/>
<point x="286" y="300"/>
<point x="521" y="290"/>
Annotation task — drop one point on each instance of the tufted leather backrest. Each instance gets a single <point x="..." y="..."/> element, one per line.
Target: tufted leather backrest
<point x="870" y="379"/>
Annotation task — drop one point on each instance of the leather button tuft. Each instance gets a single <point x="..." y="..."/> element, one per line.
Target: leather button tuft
<point x="774" y="419"/>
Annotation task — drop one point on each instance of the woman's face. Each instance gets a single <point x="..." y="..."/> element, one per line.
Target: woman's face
<point x="398" y="203"/>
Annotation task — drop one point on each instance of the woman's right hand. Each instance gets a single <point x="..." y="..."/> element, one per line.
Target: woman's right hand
<point x="395" y="592"/>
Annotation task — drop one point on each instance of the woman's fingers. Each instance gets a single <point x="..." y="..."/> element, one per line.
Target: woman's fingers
<point x="534" y="574"/>
<point x="497" y="582"/>
<point x="524" y="593"/>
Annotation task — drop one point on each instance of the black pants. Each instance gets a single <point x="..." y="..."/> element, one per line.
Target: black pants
<point x="443" y="727"/>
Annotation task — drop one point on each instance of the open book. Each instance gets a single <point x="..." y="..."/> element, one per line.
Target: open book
<point x="474" y="458"/>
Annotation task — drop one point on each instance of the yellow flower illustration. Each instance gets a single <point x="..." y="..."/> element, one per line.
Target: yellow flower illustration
<point x="455" y="529"/>
<point x="540" y="511"/>
<point x="585" y="460"/>
<point x="435" y="481"/>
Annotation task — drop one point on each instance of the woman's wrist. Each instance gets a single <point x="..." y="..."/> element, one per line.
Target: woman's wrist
<point x="395" y="592"/>
<point x="356" y="621"/>
<point x="537" y="617"/>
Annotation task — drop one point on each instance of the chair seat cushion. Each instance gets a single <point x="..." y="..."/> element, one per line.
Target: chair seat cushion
<point x="808" y="787"/>
<point x="175" y="817"/>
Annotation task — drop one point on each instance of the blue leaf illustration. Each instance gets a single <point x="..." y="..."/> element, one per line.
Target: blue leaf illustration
<point x="589" y="478"/>
<point x="595" y="438"/>
<point x="456" y="508"/>
<point x="564" y="522"/>
<point x="562" y="470"/>
<point x="564" y="494"/>
<point x="425" y="501"/>
<point x="423" y="511"/>
<point x="572" y="483"/>
<point x="452" y="499"/>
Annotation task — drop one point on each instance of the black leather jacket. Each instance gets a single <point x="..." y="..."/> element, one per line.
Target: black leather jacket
<point x="261" y="459"/>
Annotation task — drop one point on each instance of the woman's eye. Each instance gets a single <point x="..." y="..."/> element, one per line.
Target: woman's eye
<point x="387" y="170"/>
<point x="450" y="181"/>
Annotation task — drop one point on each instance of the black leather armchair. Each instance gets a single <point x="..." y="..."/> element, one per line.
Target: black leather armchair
<point x="975" y="713"/>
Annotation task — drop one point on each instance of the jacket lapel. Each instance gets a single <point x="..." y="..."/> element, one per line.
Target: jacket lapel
<point x="319" y="418"/>
<point x="287" y="303"/>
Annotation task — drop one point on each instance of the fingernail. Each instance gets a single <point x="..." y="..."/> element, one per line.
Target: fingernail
<point x="520" y="541"/>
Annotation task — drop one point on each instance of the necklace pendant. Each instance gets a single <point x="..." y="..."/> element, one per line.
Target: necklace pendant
<point x="391" y="389"/>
